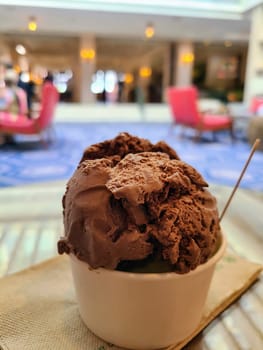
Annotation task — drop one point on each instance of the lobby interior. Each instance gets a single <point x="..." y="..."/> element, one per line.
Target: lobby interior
<point x="200" y="42"/>
<point x="98" y="51"/>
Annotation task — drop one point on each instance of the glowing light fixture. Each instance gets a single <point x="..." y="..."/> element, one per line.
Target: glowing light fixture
<point x="32" y="24"/>
<point x="20" y="49"/>
<point x="128" y="78"/>
<point x="149" y="31"/>
<point x="145" y="72"/>
<point x="187" y="58"/>
<point x="17" y="68"/>
<point x="87" y="54"/>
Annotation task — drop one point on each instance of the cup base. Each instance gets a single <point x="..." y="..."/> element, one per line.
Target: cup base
<point x="142" y="311"/>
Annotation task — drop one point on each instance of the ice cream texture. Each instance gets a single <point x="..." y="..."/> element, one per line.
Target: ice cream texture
<point x="130" y="200"/>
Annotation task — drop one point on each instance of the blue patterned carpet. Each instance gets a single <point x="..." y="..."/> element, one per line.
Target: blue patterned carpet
<point x="220" y="161"/>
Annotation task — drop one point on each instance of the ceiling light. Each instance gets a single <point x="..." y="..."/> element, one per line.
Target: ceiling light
<point x="187" y="57"/>
<point x="149" y="31"/>
<point x="32" y="24"/>
<point x="87" y="54"/>
<point x="128" y="78"/>
<point x="145" y="72"/>
<point x="20" y="49"/>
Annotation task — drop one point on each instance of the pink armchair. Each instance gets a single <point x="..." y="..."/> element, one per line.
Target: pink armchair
<point x="19" y="124"/>
<point x="184" y="111"/>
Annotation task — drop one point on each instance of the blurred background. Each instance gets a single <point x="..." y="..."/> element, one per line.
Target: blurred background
<point x="100" y="51"/>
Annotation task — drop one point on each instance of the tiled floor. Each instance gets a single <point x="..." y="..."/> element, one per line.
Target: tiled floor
<point x="31" y="222"/>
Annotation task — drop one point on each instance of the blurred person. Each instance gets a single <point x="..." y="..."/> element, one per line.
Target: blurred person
<point x="21" y="82"/>
<point x="140" y="97"/>
<point x="28" y="86"/>
<point x="13" y="99"/>
<point x="137" y="95"/>
<point x="48" y="78"/>
<point x="121" y="87"/>
<point x="4" y="96"/>
<point x="16" y="97"/>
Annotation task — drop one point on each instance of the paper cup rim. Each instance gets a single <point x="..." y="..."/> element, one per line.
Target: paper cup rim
<point x="158" y="275"/>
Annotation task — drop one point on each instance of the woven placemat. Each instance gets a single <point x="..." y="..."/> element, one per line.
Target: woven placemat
<point x="38" y="308"/>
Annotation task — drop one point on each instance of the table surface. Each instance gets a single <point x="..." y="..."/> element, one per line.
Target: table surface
<point x="31" y="223"/>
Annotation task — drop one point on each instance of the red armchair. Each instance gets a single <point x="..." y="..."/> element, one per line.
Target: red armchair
<point x="184" y="111"/>
<point x="19" y="124"/>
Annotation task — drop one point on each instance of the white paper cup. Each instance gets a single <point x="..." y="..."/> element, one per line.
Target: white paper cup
<point x="142" y="311"/>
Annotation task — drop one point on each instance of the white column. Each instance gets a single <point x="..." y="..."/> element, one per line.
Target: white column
<point x="184" y="64"/>
<point x="85" y="69"/>
<point x="254" y="70"/>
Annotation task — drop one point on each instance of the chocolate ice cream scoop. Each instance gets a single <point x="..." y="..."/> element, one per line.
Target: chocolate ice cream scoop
<point x="124" y="144"/>
<point x="130" y="200"/>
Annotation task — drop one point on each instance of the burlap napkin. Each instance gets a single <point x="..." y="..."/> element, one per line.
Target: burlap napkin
<point x="38" y="309"/>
